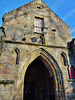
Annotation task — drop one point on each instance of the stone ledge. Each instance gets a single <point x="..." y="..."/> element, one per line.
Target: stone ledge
<point x="71" y="80"/>
<point x="6" y="81"/>
<point x="34" y="44"/>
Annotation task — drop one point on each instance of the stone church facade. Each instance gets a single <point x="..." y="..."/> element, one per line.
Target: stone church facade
<point x="36" y="52"/>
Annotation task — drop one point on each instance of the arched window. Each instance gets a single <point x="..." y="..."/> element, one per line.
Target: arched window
<point x="15" y="56"/>
<point x="2" y="34"/>
<point x="64" y="58"/>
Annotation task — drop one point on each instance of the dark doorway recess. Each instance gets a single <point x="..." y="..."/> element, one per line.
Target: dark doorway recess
<point x="38" y="85"/>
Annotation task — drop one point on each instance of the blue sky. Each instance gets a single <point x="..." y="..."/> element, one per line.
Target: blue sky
<point x="65" y="9"/>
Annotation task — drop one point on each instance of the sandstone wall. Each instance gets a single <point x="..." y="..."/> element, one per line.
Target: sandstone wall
<point x="19" y="24"/>
<point x="13" y="74"/>
<point x="21" y="21"/>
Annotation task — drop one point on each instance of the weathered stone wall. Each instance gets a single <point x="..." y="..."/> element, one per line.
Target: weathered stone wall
<point x="20" y="22"/>
<point x="23" y="23"/>
<point x="15" y="73"/>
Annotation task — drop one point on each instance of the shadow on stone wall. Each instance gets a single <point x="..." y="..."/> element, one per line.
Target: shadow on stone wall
<point x="60" y="82"/>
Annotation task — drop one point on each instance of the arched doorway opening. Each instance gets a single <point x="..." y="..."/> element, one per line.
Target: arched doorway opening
<point x="39" y="82"/>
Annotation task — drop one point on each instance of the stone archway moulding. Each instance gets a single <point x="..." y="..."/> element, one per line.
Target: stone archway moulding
<point x="49" y="61"/>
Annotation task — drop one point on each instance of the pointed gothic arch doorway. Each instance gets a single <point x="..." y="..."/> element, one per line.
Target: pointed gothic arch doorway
<point x="39" y="82"/>
<point x="52" y="67"/>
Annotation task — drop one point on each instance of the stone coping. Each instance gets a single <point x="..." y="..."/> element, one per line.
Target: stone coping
<point x="6" y="81"/>
<point x="34" y="44"/>
<point x="71" y="80"/>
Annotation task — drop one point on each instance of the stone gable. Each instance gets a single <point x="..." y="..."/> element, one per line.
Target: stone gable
<point x="34" y="49"/>
<point x="21" y="21"/>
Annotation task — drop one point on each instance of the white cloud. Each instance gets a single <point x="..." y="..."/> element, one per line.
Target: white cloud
<point x="73" y="30"/>
<point x="69" y="14"/>
<point x="58" y="4"/>
<point x="73" y="35"/>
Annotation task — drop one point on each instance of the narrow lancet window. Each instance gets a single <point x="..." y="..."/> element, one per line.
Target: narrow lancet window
<point x="64" y="58"/>
<point x="15" y="56"/>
